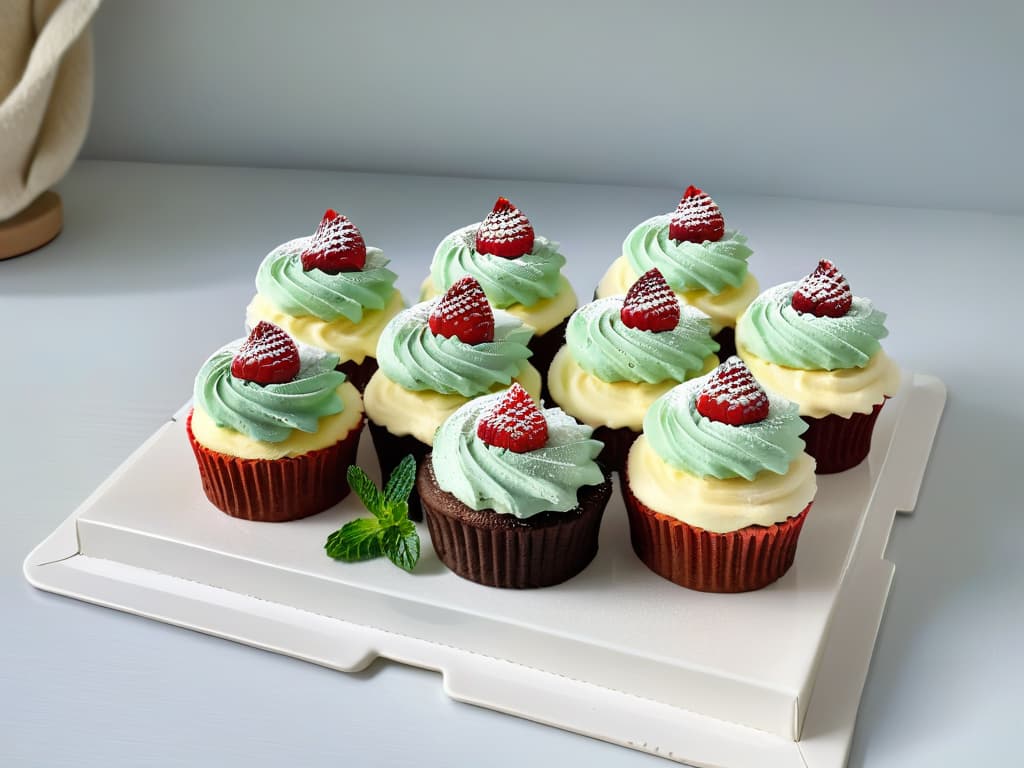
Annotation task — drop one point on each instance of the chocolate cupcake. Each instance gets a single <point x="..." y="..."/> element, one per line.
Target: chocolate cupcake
<point x="622" y="354"/>
<point x="331" y="291"/>
<point x="703" y="262"/>
<point x="434" y="358"/>
<point x="519" y="271"/>
<point x="817" y="344"/>
<point x="717" y="487"/>
<point x="512" y="494"/>
<point x="274" y="426"/>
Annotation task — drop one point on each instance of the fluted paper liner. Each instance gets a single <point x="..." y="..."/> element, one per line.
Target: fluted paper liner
<point x="738" y="561"/>
<point x="838" y="443"/>
<point x="359" y="373"/>
<point x="276" y="490"/>
<point x="503" y="551"/>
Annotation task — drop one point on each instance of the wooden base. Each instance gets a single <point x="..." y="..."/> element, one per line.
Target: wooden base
<point x="32" y="228"/>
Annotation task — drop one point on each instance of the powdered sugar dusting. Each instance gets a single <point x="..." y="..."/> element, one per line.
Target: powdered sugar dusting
<point x="336" y="245"/>
<point x="697" y="218"/>
<point x="464" y="312"/>
<point x="268" y="356"/>
<point x="506" y="232"/>
<point x="650" y="304"/>
<point x="514" y="422"/>
<point x="824" y="293"/>
<point x="732" y="395"/>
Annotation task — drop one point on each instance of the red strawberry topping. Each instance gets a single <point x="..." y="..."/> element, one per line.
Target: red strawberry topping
<point x="337" y="246"/>
<point x="463" y="312"/>
<point x="732" y="395"/>
<point x="650" y="304"/>
<point x="515" y="422"/>
<point x="268" y="356"/>
<point x="506" y="232"/>
<point x="697" y="218"/>
<point x="824" y="292"/>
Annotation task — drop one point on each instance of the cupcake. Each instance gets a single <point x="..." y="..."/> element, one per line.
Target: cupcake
<point x="817" y="344"/>
<point x="718" y="487"/>
<point x="520" y="272"/>
<point x="329" y="291"/>
<point x="703" y="262"/>
<point x="622" y="354"/>
<point x="512" y="494"/>
<point x="435" y="357"/>
<point x="273" y="426"/>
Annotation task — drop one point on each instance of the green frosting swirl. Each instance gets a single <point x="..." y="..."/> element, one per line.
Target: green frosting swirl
<point x="521" y="484"/>
<point x="688" y="441"/>
<point x="687" y="266"/>
<point x="270" y="412"/>
<point x="609" y="349"/>
<point x="524" y="280"/>
<point x="774" y="331"/>
<point x="414" y="358"/>
<point x="282" y="280"/>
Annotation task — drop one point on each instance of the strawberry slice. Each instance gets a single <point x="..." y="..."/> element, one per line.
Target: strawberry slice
<point x="506" y="232"/>
<point x="732" y="395"/>
<point x="697" y="218"/>
<point x="463" y="312"/>
<point x="824" y="292"/>
<point x="268" y="356"/>
<point x="515" y="422"/>
<point x="336" y="246"/>
<point x="650" y="305"/>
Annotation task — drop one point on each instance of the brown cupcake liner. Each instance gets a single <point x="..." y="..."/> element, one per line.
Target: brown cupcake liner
<point x="544" y="348"/>
<point x="726" y="339"/>
<point x="359" y="373"/>
<point x="617" y="442"/>
<point x="838" y="443"/>
<point x="738" y="561"/>
<point x="276" y="490"/>
<point x="502" y="550"/>
<point x="391" y="449"/>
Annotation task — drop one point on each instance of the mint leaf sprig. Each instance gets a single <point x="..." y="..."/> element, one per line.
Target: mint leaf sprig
<point x="389" y="532"/>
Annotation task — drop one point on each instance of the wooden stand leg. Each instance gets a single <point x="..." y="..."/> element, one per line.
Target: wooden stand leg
<point x="33" y="228"/>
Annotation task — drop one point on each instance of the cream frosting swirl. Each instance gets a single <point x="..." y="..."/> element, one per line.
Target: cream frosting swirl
<point x="711" y="265"/>
<point x="412" y="356"/>
<point x="609" y="349"/>
<point x="688" y="441"/>
<point x="523" y="280"/>
<point x="525" y="484"/>
<point x="269" y="412"/>
<point x="773" y="330"/>
<point x="298" y="292"/>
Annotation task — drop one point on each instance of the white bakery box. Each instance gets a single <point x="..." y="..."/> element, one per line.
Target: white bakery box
<point x="767" y="679"/>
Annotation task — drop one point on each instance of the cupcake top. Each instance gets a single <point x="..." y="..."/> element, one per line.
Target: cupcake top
<point x="691" y="246"/>
<point x="329" y="275"/>
<point x="455" y="344"/>
<point x="267" y="386"/>
<point x="645" y="336"/>
<point x="511" y="263"/>
<point x="724" y="425"/>
<point x="502" y="453"/>
<point x="814" y="324"/>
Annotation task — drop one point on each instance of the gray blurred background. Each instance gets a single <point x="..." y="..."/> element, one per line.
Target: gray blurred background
<point x="908" y="103"/>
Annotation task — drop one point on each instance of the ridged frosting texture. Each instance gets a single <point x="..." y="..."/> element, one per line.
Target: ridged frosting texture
<point x="282" y="280"/>
<point x="774" y="331"/>
<point x="607" y="348"/>
<point x="269" y="412"/>
<point x="688" y="441"/>
<point x="524" y="280"/>
<point x="521" y="484"/>
<point x="413" y="357"/>
<point x="711" y="266"/>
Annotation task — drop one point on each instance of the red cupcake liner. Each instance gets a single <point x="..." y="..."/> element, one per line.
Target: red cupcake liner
<point x="502" y="551"/>
<point x="738" y="561"/>
<point x="838" y="443"/>
<point x="276" y="490"/>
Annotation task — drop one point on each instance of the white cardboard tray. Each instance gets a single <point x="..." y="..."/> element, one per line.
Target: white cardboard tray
<point x="761" y="680"/>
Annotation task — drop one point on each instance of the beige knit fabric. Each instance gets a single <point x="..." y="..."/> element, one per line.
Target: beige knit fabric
<point x="45" y="94"/>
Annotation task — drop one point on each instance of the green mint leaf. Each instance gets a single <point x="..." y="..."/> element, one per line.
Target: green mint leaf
<point x="366" y="490"/>
<point x="357" y="540"/>
<point x="401" y="481"/>
<point x="401" y="544"/>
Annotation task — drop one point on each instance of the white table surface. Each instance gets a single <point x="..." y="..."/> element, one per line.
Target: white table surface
<point x="104" y="329"/>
